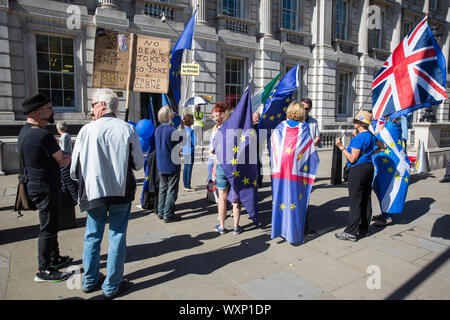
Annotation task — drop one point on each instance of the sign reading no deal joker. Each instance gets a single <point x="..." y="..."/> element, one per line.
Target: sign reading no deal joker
<point x="152" y="65"/>
<point x="110" y="63"/>
<point x="190" y="69"/>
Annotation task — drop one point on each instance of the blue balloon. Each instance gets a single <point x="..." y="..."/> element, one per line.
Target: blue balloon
<point x="132" y="123"/>
<point x="145" y="144"/>
<point x="145" y="128"/>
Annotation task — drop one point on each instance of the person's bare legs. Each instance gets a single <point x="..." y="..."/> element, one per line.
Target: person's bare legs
<point x="222" y="207"/>
<point x="236" y="214"/>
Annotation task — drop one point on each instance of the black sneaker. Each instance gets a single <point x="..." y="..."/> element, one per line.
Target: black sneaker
<point x="51" y="276"/>
<point x="97" y="286"/>
<point x="60" y="262"/>
<point x="173" y="218"/>
<point x="123" y="286"/>
<point x="444" y="180"/>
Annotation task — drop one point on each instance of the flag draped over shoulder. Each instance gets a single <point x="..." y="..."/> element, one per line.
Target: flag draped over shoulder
<point x="277" y="103"/>
<point x="294" y="163"/>
<point x="235" y="148"/>
<point x="391" y="178"/>
<point x="261" y="96"/>
<point x="413" y="77"/>
<point x="184" y="42"/>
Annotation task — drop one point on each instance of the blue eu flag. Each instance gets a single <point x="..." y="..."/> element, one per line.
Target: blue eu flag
<point x="235" y="147"/>
<point x="184" y="42"/>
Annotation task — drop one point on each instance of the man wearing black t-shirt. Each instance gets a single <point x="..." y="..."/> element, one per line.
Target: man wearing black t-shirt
<point x="42" y="161"/>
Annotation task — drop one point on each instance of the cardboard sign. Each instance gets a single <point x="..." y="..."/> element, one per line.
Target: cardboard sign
<point x="110" y="64"/>
<point x="152" y="65"/>
<point x="190" y="69"/>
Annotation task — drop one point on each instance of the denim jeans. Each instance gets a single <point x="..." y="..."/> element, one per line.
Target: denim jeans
<point x="168" y="194"/>
<point x="187" y="170"/>
<point x="95" y="225"/>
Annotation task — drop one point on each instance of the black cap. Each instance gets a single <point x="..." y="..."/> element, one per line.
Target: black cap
<point x="34" y="102"/>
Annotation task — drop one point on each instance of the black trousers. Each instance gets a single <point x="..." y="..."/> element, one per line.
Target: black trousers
<point x="359" y="193"/>
<point x="49" y="206"/>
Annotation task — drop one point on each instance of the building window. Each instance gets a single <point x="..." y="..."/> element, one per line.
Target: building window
<point x="343" y="94"/>
<point x="234" y="81"/>
<point x="434" y="5"/>
<point x="341" y="19"/>
<point x="290" y="14"/>
<point x="406" y="29"/>
<point x="376" y="36"/>
<point x="232" y="8"/>
<point x="55" y="69"/>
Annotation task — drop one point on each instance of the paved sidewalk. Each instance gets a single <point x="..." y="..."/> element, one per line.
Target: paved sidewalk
<point x="188" y="260"/>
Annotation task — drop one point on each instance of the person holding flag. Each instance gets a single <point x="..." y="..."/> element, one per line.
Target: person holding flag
<point x="358" y="155"/>
<point x="236" y="171"/>
<point x="392" y="166"/>
<point x="294" y="163"/>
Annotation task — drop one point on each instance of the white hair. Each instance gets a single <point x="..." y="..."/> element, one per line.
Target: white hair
<point x="109" y="97"/>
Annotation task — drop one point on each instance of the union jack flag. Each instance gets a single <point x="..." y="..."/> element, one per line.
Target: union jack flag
<point x="413" y="76"/>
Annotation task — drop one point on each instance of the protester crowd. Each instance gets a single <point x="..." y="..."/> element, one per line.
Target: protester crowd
<point x="97" y="174"/>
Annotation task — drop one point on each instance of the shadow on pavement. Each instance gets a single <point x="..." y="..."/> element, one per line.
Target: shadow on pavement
<point x="441" y="228"/>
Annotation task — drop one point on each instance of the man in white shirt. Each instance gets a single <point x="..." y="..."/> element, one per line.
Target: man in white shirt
<point x="313" y="125"/>
<point x="106" y="152"/>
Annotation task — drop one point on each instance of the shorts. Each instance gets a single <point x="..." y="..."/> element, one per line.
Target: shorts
<point x="222" y="182"/>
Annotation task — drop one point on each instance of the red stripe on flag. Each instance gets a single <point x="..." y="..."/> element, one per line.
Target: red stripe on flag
<point x="287" y="176"/>
<point x="416" y="30"/>
<point x="430" y="82"/>
<point x="383" y="103"/>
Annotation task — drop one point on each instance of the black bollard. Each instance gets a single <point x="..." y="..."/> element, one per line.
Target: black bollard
<point x="336" y="166"/>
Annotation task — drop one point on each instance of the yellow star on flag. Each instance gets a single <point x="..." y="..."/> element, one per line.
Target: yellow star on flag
<point x="236" y="173"/>
<point x="390" y="170"/>
<point x="397" y="177"/>
<point x="300" y="155"/>
<point x="271" y="118"/>
<point x="285" y="108"/>
<point x="288" y="150"/>
<point x="288" y="99"/>
<point x="305" y="182"/>
<point x="234" y="161"/>
<point x="264" y="116"/>
<point x="254" y="183"/>
<point x="274" y="90"/>
<point x="399" y="141"/>
<point x="385" y="160"/>
<point x="243" y="138"/>
<point x="293" y="206"/>
<point x="279" y="115"/>
<point x="246" y="181"/>
<point x="406" y="179"/>
<point x="252" y="133"/>
<point x="300" y="196"/>
<point x="392" y="145"/>
<point x="236" y="148"/>
<point x="282" y="206"/>
<point x="387" y="151"/>
<point x="305" y="168"/>
<point x="270" y="97"/>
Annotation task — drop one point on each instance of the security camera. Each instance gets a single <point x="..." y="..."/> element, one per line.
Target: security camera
<point x="163" y="17"/>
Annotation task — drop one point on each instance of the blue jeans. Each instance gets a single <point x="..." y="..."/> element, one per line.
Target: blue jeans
<point x="187" y="170"/>
<point x="95" y="225"/>
<point x="168" y="194"/>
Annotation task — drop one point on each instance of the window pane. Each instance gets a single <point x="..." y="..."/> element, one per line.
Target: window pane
<point x="55" y="62"/>
<point x="43" y="80"/>
<point x="56" y="81"/>
<point x="68" y="81"/>
<point x="67" y="46"/>
<point x="46" y="93"/>
<point x="55" y="45"/>
<point x="42" y="61"/>
<point x="69" y="98"/>
<point x="67" y="64"/>
<point x="57" y="98"/>
<point x="41" y="43"/>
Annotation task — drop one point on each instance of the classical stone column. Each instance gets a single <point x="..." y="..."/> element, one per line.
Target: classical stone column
<point x="202" y="14"/>
<point x="397" y="32"/>
<point x="426" y="6"/>
<point x="363" y="33"/>
<point x="111" y="4"/>
<point x="265" y="18"/>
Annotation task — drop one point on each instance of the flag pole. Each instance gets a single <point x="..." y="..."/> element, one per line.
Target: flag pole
<point x="130" y="76"/>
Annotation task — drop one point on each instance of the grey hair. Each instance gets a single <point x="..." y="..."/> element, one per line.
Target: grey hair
<point x="109" y="97"/>
<point x="164" y="115"/>
<point x="61" y="126"/>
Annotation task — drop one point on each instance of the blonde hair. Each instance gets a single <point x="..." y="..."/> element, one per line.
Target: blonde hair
<point x="295" y="111"/>
<point x="164" y="115"/>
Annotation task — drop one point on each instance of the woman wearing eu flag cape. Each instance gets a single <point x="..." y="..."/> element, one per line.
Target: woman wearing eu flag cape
<point x="391" y="178"/>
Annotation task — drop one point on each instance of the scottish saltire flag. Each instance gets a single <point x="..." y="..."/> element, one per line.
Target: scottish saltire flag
<point x="391" y="178"/>
<point x="413" y="76"/>
<point x="294" y="163"/>
<point x="184" y="42"/>
<point x="235" y="148"/>
<point x="276" y="105"/>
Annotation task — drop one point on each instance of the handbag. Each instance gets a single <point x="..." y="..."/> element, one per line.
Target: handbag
<point x="23" y="201"/>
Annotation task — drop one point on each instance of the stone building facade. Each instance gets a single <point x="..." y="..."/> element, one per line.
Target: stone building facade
<point x="48" y="46"/>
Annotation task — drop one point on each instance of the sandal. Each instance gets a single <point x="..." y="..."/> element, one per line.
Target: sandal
<point x="383" y="222"/>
